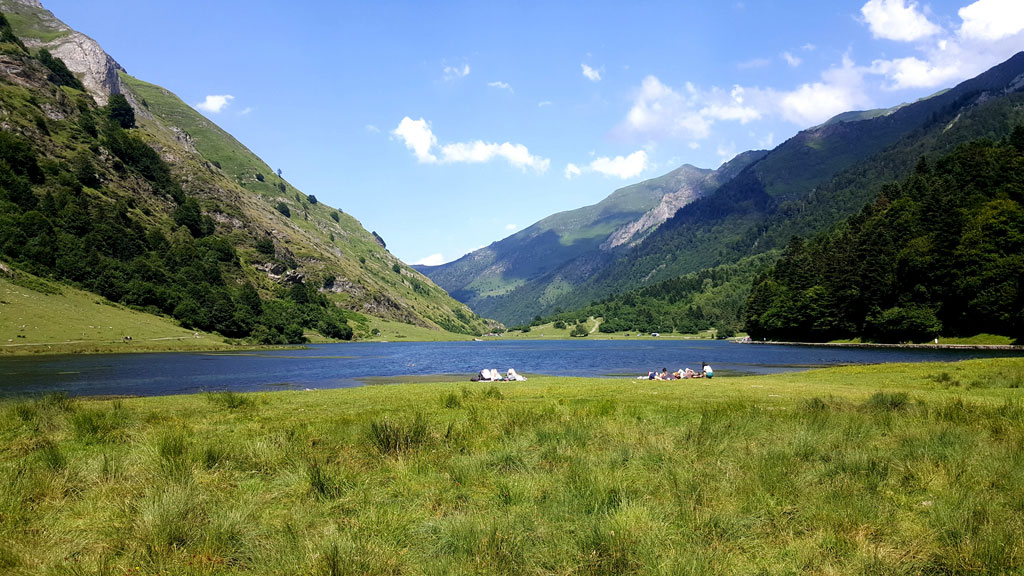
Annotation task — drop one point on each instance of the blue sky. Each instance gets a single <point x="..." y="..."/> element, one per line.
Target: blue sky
<point x="445" y="126"/>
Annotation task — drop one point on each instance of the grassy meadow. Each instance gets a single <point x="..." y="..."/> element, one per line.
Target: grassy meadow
<point x="896" y="469"/>
<point x="42" y="317"/>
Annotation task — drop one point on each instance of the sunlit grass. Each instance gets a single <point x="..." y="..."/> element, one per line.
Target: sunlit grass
<point x="902" y="469"/>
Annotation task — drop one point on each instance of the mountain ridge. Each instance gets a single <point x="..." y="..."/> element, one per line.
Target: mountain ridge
<point x="279" y="237"/>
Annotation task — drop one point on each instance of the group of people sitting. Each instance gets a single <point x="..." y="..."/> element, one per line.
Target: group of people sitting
<point x="492" y="375"/>
<point x="705" y="372"/>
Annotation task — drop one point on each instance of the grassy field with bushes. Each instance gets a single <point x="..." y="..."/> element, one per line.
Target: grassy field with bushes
<point x="894" y="469"/>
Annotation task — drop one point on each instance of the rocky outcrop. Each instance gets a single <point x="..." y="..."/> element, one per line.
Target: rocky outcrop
<point x="85" y="57"/>
<point x="637" y="230"/>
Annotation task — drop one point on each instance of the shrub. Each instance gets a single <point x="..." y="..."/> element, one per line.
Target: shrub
<point x="335" y="217"/>
<point x="265" y="246"/>
<point x="59" y="73"/>
<point x="312" y="199"/>
<point x="283" y="209"/>
<point x="120" y="111"/>
<point x="580" y="331"/>
<point x="259" y="177"/>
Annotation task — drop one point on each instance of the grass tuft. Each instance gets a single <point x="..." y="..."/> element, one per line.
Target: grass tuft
<point x="230" y="400"/>
<point x="887" y="402"/>
<point x="390" y="437"/>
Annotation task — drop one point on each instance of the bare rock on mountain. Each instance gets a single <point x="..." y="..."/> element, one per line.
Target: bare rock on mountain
<point x="84" y="56"/>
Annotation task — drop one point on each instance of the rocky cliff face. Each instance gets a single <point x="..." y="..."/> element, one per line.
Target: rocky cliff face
<point x="83" y="55"/>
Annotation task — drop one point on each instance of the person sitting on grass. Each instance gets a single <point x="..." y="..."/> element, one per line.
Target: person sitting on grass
<point x="706" y="368"/>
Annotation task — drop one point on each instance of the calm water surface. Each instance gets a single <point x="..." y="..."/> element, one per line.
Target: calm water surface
<point x="355" y="364"/>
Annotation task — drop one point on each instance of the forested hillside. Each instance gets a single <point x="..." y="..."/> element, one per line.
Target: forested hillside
<point x="146" y="203"/>
<point x="938" y="253"/>
<point x="714" y="298"/>
<point x="811" y="181"/>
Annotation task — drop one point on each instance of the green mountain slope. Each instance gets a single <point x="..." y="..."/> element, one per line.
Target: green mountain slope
<point x="542" y="263"/>
<point x="173" y="215"/>
<point x="939" y="254"/>
<point x="813" y="180"/>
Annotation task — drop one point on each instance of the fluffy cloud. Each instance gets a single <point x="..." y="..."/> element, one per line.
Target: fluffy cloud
<point x="992" y="19"/>
<point x="432" y="260"/>
<point x="914" y="73"/>
<point x="510" y="227"/>
<point x="991" y="31"/>
<point x="895" y="20"/>
<point x="590" y="73"/>
<point x="793" y="61"/>
<point x="500" y="85"/>
<point x="419" y="138"/>
<point x="840" y="89"/>
<point x="660" y="111"/>
<point x="215" y="103"/>
<point x="456" y="72"/>
<point x="479" y="151"/>
<point x="621" y="167"/>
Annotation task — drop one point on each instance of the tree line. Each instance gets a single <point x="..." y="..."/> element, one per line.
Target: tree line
<point x="938" y="253"/>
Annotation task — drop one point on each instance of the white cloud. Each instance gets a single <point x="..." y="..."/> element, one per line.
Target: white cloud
<point x="621" y="167"/>
<point x="660" y="111"/>
<point x="544" y="103"/>
<point x="793" y="61"/>
<point x="992" y="19"/>
<point x="590" y="73"/>
<point x="214" y="103"/>
<point x="991" y="31"/>
<point x="419" y="138"/>
<point x="456" y="72"/>
<point x="694" y="145"/>
<point x="809" y="47"/>
<point x="479" y="151"/>
<point x="754" y="63"/>
<point x="372" y="129"/>
<point x="895" y="20"/>
<point x="840" y="90"/>
<point x="572" y="170"/>
<point x="510" y="227"/>
<point x="914" y="73"/>
<point x="246" y="111"/>
<point x="500" y="85"/>
<point x="432" y="260"/>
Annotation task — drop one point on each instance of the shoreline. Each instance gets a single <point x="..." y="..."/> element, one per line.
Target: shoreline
<point x="1009" y="347"/>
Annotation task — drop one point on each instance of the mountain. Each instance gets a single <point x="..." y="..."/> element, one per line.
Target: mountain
<point x="119" y="187"/>
<point x="808" y="183"/>
<point x="540" y="263"/>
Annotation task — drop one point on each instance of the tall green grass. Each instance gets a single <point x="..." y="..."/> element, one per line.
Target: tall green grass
<point x="828" y="472"/>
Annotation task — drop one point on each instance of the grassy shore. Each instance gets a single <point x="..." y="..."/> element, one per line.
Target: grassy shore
<point x="900" y="469"/>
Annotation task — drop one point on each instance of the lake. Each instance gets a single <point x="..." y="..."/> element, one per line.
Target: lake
<point x="356" y="364"/>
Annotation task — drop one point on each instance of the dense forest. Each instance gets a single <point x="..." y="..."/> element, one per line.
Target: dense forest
<point x="711" y="298"/>
<point x="938" y="253"/>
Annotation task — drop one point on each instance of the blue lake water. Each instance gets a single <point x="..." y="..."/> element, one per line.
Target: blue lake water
<point x="355" y="364"/>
